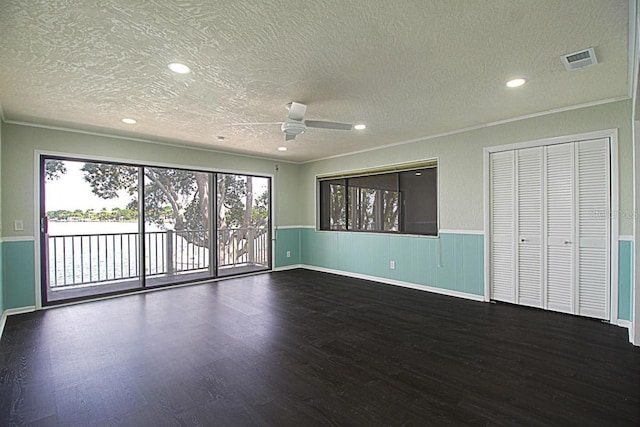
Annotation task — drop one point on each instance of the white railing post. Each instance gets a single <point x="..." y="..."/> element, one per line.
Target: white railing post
<point x="101" y="259"/>
<point x="169" y="254"/>
<point x="251" y="235"/>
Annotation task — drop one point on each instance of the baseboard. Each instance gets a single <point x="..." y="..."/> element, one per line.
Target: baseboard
<point x="624" y="323"/>
<point x="289" y="267"/>
<point x="385" y="281"/>
<point x="3" y="320"/>
<point x="627" y="324"/>
<point x="20" y="310"/>
<point x="10" y="312"/>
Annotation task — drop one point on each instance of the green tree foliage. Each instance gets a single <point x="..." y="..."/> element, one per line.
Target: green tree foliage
<point x="240" y="217"/>
<point x="232" y="198"/>
<point x="178" y="199"/>
<point x="114" y="214"/>
<point x="172" y="197"/>
<point x="54" y="169"/>
<point x="107" y="180"/>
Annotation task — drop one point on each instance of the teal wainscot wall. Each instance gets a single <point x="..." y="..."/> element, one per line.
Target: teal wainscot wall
<point x="18" y="273"/>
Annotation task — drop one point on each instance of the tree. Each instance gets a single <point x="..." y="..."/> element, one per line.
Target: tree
<point x="172" y="197"/>
<point x="240" y="218"/>
<point x="54" y="169"/>
<point x="178" y="199"/>
<point x="338" y="206"/>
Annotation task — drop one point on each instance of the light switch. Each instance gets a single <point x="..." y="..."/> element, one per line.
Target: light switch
<point x="18" y="225"/>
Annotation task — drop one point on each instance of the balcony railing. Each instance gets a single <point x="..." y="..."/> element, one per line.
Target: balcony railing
<point x="83" y="259"/>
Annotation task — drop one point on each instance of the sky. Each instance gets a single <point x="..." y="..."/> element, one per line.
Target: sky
<point x="71" y="192"/>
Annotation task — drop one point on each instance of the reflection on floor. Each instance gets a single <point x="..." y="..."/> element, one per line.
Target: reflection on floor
<point x="86" y="291"/>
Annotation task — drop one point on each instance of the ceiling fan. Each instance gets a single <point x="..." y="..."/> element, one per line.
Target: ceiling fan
<point x="295" y="124"/>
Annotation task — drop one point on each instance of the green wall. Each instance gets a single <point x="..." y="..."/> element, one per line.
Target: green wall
<point x="460" y="161"/>
<point x="451" y="262"/>
<point x="454" y="262"/>
<point x="2" y="305"/>
<point x="287" y="240"/>
<point x="1" y="243"/>
<point x="21" y="145"/>
<point x="19" y="274"/>
<point x="625" y="279"/>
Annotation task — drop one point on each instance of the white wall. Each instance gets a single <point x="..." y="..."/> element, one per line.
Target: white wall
<point x="460" y="166"/>
<point x="461" y="161"/>
<point x="18" y="172"/>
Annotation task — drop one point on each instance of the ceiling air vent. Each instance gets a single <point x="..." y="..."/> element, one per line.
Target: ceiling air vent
<point x="580" y="59"/>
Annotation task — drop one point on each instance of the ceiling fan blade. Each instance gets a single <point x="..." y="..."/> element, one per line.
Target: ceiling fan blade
<point x="256" y="123"/>
<point x="297" y="111"/>
<point x="327" y="125"/>
<point x="289" y="137"/>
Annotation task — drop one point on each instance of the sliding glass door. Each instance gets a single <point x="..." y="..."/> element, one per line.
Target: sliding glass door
<point x="89" y="230"/>
<point x="176" y="222"/>
<point x="243" y="224"/>
<point x="110" y="228"/>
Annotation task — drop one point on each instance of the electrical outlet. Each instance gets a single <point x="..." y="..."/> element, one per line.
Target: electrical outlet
<point x="392" y="265"/>
<point x="18" y="225"/>
<point x="288" y="254"/>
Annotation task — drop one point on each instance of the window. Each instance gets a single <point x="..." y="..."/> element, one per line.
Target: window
<point x="404" y="202"/>
<point x="374" y="203"/>
<point x="333" y="199"/>
<point x="111" y="227"/>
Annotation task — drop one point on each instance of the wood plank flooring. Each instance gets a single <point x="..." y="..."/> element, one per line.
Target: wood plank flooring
<point x="302" y="348"/>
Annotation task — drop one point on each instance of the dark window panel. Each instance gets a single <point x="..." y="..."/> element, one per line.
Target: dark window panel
<point x="333" y="205"/>
<point x="398" y="202"/>
<point x="419" y="190"/>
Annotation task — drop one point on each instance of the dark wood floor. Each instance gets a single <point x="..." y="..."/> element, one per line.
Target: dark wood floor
<point x="303" y="348"/>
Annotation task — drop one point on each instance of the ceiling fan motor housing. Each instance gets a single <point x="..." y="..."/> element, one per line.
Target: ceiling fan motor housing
<point x="293" y="127"/>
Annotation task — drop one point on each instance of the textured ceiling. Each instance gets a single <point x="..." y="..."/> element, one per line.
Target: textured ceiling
<point x="406" y="68"/>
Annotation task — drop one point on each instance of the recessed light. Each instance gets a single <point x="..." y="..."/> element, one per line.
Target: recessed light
<point x="220" y="138"/>
<point x="179" y="68"/>
<point x="129" y="121"/>
<point x="360" y="127"/>
<point x="516" y="82"/>
<point x="418" y="173"/>
<point x="282" y="148"/>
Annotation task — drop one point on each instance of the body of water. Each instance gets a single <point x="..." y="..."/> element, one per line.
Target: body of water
<point x="82" y="253"/>
<point x="60" y="228"/>
<point x="94" y="252"/>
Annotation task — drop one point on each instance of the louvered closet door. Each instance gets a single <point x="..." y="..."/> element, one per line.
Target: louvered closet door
<point x="592" y="158"/>
<point x="560" y="228"/>
<point x="502" y="199"/>
<point x="529" y="226"/>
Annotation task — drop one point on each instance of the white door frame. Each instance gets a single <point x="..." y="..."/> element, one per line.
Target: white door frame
<point x="634" y="332"/>
<point x="612" y="134"/>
